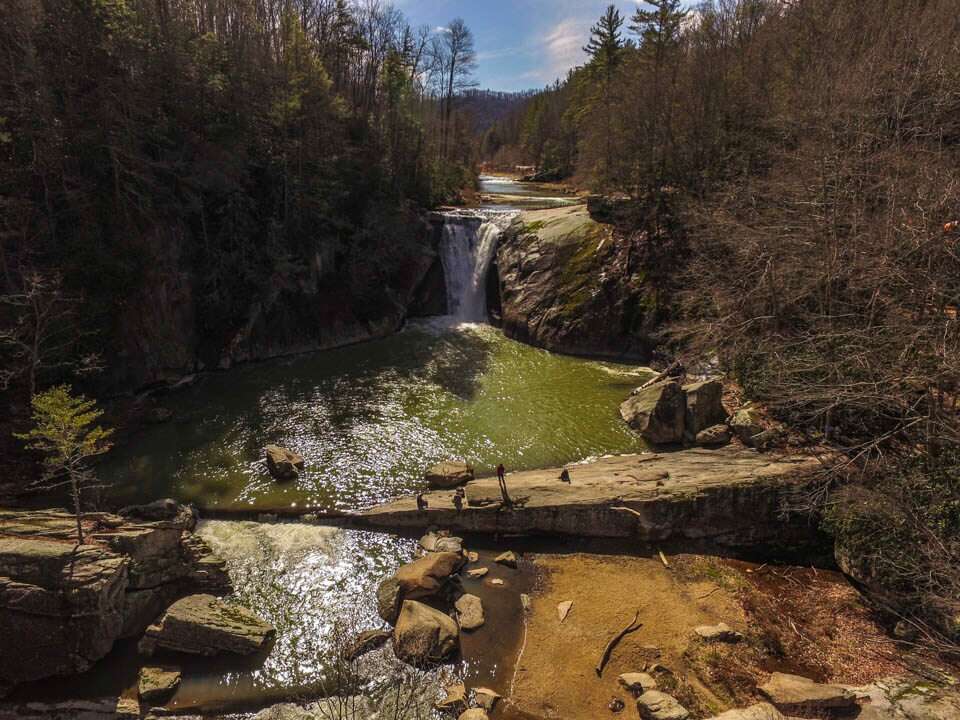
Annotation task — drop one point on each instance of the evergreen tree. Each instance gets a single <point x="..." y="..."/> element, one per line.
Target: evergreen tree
<point x="658" y="28"/>
<point x="605" y="46"/>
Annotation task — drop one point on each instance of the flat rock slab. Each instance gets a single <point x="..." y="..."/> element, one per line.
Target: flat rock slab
<point x="205" y="625"/>
<point x="793" y="693"/>
<point x="730" y="495"/>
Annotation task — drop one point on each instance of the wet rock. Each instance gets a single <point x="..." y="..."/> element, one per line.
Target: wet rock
<point x="283" y="464"/>
<point x="165" y="509"/>
<point x="473" y="557"/>
<point x="448" y="475"/>
<point x="206" y="625"/>
<point x="143" y="607"/>
<point x="704" y="406"/>
<point x="760" y="711"/>
<point x="474" y="714"/>
<point x="157" y="684"/>
<point x="438" y="542"/>
<point x="206" y="570"/>
<point x="389" y="599"/>
<point x="657" y="413"/>
<point x="795" y="694"/>
<point x="477" y="573"/>
<point x="366" y="642"/>
<point x="486" y="698"/>
<point x="424" y="636"/>
<point x="497" y="582"/>
<point x="718" y="633"/>
<point x="715" y="436"/>
<point x="655" y="705"/>
<point x="455" y="700"/>
<point x="509" y="559"/>
<point x="469" y="612"/>
<point x="637" y="683"/>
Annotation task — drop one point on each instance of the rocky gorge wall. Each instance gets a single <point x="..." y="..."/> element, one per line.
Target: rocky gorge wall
<point x="571" y="284"/>
<point x="333" y="295"/>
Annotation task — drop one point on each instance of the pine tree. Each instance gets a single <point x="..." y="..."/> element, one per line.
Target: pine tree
<point x="658" y="28"/>
<point x="605" y="46"/>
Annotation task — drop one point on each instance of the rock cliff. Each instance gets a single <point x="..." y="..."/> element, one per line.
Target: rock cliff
<point x="62" y="606"/>
<point x="574" y="285"/>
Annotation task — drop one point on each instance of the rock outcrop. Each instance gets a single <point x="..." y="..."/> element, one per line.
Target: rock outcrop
<point x="704" y="406"/>
<point x="572" y="285"/>
<point x="157" y="684"/>
<point x="424" y="636"/>
<point x="447" y="475"/>
<point x="206" y="625"/>
<point x="422" y="578"/>
<point x="81" y="599"/>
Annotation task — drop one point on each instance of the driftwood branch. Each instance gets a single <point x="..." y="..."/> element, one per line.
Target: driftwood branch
<point x="605" y="658"/>
<point x="657" y="378"/>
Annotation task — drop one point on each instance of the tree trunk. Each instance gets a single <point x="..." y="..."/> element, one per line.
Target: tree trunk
<point x="77" y="508"/>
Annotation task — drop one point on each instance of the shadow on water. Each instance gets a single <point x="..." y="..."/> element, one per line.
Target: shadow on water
<point x="369" y="419"/>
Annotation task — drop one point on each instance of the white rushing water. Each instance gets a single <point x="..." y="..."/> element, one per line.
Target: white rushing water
<point x="469" y="245"/>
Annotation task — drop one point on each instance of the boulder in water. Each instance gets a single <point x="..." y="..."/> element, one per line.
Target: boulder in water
<point x="157" y="684"/>
<point x="657" y="413"/>
<point x="366" y="642"/>
<point x="428" y="575"/>
<point x="389" y="599"/>
<point x="205" y="625"/>
<point x="760" y="711"/>
<point x="439" y="542"/>
<point x="424" y="636"/>
<point x="509" y="559"/>
<point x="283" y="464"/>
<point x="469" y="612"/>
<point x="448" y="475"/>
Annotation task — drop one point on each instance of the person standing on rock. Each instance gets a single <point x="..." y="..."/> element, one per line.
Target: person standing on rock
<point x="502" y="479"/>
<point x="421" y="502"/>
<point x="458" y="497"/>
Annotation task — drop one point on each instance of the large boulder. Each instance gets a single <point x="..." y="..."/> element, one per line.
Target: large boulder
<point x="657" y="413"/>
<point x="366" y="642"/>
<point x="426" y="576"/>
<point x="283" y="464"/>
<point x="206" y="625"/>
<point x="793" y="694"/>
<point x="389" y="599"/>
<point x="448" y="475"/>
<point x="704" y="406"/>
<point x="745" y="425"/>
<point x="424" y="636"/>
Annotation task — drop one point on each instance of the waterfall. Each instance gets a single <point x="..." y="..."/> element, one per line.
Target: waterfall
<point x="469" y="244"/>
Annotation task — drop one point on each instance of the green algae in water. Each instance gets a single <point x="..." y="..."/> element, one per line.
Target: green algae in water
<point x="369" y="419"/>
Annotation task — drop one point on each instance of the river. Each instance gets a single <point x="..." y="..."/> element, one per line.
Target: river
<point x="369" y="419"/>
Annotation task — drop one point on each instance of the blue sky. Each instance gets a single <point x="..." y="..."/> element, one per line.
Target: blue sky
<point x="521" y="44"/>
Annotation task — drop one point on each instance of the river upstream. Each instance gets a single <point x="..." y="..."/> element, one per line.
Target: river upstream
<point x="369" y="419"/>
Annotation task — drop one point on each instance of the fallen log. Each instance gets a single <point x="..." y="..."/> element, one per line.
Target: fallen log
<point x="605" y="658"/>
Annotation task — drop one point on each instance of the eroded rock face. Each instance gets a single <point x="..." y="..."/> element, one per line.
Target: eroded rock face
<point x="448" y="475"/>
<point x="424" y="636"/>
<point x="206" y="625"/>
<point x="657" y="413"/>
<point x="283" y="464"/>
<point x="795" y="694"/>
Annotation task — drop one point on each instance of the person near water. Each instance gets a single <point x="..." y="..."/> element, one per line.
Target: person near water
<point x="565" y="476"/>
<point x="502" y="479"/>
<point x="458" y="498"/>
<point x="421" y="502"/>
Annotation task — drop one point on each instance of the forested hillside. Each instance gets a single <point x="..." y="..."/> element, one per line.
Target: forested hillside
<point x="805" y="155"/>
<point x="189" y="183"/>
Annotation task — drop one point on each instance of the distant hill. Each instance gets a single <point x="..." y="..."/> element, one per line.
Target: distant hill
<point x="487" y="107"/>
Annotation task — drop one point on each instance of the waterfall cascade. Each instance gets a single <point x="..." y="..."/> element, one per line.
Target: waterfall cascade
<point x="469" y="244"/>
